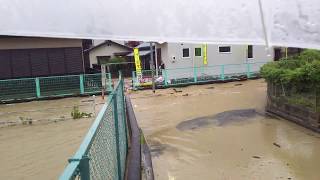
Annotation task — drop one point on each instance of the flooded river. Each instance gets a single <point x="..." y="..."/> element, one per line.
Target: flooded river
<point x="220" y="131"/>
<point x="40" y="150"/>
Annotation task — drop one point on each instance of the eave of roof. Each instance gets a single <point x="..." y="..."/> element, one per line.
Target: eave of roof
<point x="106" y="42"/>
<point x="141" y="53"/>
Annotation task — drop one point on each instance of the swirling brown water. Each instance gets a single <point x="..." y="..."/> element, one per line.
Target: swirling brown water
<point x="188" y="142"/>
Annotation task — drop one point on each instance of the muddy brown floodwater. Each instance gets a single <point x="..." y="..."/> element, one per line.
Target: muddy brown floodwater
<point x="41" y="150"/>
<point x="220" y="131"/>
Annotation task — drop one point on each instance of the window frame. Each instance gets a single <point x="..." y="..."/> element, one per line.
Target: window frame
<point x="189" y="53"/>
<point x="252" y="57"/>
<point x="230" y="52"/>
<point x="200" y="51"/>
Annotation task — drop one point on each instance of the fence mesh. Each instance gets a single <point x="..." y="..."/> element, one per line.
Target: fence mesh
<point x="234" y="70"/>
<point x="305" y="96"/>
<point x="181" y="75"/>
<point x="105" y="145"/>
<point x="211" y="73"/>
<point x="92" y="83"/>
<point x="103" y="152"/>
<point x="17" y="89"/>
<point x="122" y="129"/>
<point x="59" y="85"/>
<point x="32" y="88"/>
<point x="202" y="74"/>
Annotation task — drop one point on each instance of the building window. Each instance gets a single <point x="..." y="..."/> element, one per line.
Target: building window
<point x="250" y="51"/>
<point x="103" y="59"/>
<point x="224" y="49"/>
<point x="197" y="52"/>
<point x="185" y="52"/>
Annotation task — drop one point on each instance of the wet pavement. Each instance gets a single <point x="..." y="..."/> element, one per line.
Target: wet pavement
<point x="220" y="131"/>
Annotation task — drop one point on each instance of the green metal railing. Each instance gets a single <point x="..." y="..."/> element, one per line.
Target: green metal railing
<point x="194" y="75"/>
<point x="40" y="87"/>
<point x="102" y="154"/>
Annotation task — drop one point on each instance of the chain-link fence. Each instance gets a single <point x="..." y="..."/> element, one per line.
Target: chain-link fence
<point x="102" y="154"/>
<point x="307" y="96"/>
<point x="203" y="74"/>
<point x="41" y="87"/>
<point x="299" y="104"/>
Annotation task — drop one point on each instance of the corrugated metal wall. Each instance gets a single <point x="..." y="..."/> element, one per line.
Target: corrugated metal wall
<point x="5" y="67"/>
<point x="17" y="63"/>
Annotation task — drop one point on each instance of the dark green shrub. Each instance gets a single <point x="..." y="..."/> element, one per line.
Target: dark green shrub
<point x="297" y="78"/>
<point x="296" y="71"/>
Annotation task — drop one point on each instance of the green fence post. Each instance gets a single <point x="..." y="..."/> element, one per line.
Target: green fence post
<point x="116" y="125"/>
<point x="81" y="84"/>
<point x="38" y="87"/>
<point x="222" y="73"/>
<point x="248" y="70"/>
<point x="84" y="168"/>
<point x="195" y="74"/>
<point x="165" y="77"/>
<point x="109" y="82"/>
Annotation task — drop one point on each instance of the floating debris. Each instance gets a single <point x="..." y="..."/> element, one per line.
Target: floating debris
<point x="177" y="91"/>
<point x="256" y="157"/>
<point x="275" y="144"/>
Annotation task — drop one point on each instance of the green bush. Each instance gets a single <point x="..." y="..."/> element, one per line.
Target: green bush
<point x="300" y="70"/>
<point x="297" y="78"/>
<point x="76" y="114"/>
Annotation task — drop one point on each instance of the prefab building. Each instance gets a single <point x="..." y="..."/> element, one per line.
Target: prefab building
<point x="184" y="60"/>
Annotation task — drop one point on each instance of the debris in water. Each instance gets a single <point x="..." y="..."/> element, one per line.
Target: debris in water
<point x="210" y="87"/>
<point x="275" y="144"/>
<point x="185" y="94"/>
<point x="218" y="119"/>
<point x="177" y="91"/>
<point x="237" y="84"/>
<point x="256" y="157"/>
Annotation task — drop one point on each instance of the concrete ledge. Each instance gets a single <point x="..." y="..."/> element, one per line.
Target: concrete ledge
<point x="296" y="114"/>
<point x="134" y="155"/>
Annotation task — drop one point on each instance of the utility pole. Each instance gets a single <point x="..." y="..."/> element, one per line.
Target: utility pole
<point x="152" y="68"/>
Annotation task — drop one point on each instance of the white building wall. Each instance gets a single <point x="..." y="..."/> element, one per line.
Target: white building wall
<point x="105" y="50"/>
<point x="233" y="61"/>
